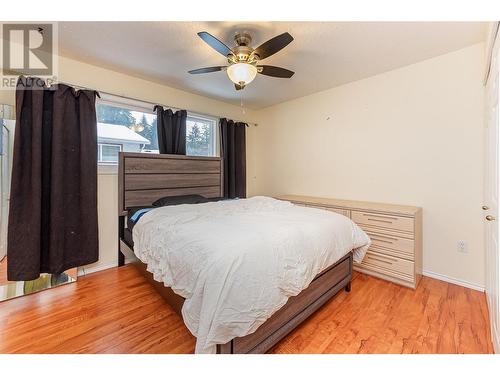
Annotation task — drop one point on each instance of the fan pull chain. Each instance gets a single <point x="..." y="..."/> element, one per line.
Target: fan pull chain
<point x="241" y="102"/>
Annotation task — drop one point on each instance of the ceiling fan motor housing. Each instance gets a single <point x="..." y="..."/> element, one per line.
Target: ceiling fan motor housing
<point x="243" y="39"/>
<point x="242" y="54"/>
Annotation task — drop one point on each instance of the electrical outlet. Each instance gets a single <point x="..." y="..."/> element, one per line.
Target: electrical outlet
<point x="462" y="246"/>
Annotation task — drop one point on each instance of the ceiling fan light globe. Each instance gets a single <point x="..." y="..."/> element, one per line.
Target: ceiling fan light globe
<point x="241" y="72"/>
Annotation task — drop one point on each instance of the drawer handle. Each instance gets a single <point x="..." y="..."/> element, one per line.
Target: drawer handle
<point x="382" y="238"/>
<point x="379" y="260"/>
<point x="383" y="256"/>
<point x="381" y="221"/>
<point x="380" y="216"/>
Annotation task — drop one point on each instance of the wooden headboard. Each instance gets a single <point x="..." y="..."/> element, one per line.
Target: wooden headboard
<point x="144" y="178"/>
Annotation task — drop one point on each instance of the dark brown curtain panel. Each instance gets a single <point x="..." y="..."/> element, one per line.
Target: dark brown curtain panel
<point x="234" y="154"/>
<point x="53" y="203"/>
<point x="171" y="131"/>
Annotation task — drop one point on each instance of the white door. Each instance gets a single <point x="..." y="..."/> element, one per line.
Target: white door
<point x="490" y="207"/>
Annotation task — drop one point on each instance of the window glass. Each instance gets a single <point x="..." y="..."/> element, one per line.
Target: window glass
<point x="201" y="138"/>
<point x="109" y="153"/>
<point x="130" y="128"/>
<point x="127" y="129"/>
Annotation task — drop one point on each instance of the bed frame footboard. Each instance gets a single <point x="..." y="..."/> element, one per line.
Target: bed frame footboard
<point x="297" y="309"/>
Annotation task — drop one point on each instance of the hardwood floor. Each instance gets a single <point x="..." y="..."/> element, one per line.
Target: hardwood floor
<point x="116" y="311"/>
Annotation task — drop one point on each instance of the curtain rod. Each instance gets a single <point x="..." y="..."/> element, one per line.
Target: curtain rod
<point x="51" y="82"/>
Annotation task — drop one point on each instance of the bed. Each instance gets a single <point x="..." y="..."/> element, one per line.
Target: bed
<point x="191" y="252"/>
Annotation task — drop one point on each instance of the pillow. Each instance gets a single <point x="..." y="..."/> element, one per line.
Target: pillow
<point x="180" y="199"/>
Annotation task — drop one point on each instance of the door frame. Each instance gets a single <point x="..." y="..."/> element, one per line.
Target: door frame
<point x="492" y="277"/>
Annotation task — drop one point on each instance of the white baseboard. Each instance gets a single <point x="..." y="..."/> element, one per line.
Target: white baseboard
<point x="453" y="280"/>
<point x="495" y="339"/>
<point x="82" y="271"/>
<point x="129" y="258"/>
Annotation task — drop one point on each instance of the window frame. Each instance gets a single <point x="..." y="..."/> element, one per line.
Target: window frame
<point x="131" y="104"/>
<point x="120" y="102"/>
<point x="99" y="153"/>
<point x="146" y="107"/>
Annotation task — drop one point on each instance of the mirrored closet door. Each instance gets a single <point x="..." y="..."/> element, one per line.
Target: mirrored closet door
<point x="11" y="289"/>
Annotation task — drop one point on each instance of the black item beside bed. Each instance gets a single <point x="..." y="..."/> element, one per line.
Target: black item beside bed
<point x="180" y="199"/>
<point x="167" y="201"/>
<point x="185" y="199"/>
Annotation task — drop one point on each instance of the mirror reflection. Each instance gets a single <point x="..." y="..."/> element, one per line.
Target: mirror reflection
<point x="11" y="289"/>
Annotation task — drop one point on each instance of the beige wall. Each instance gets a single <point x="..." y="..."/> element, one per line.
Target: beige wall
<point x="86" y="75"/>
<point x="411" y="136"/>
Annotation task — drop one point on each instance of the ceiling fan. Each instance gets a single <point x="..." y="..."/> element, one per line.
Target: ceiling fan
<point x="243" y="60"/>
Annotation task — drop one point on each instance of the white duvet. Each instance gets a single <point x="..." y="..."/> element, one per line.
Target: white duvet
<point x="237" y="262"/>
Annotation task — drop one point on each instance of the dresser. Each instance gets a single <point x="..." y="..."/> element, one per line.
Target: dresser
<point x="395" y="230"/>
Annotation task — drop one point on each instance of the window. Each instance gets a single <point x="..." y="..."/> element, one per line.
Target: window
<point x="130" y="126"/>
<point x="201" y="136"/>
<point x="122" y="126"/>
<point x="108" y="153"/>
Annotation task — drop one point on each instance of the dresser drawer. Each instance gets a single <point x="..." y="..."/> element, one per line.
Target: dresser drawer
<point x="399" y="246"/>
<point x="399" y="223"/>
<point x="338" y="210"/>
<point x="388" y="232"/>
<point x="396" y="277"/>
<point x="390" y="263"/>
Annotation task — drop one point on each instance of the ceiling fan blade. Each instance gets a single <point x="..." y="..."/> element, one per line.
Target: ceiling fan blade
<point x="273" y="45"/>
<point x="215" y="43"/>
<point x="207" y="70"/>
<point x="275" y="71"/>
<point x="238" y="87"/>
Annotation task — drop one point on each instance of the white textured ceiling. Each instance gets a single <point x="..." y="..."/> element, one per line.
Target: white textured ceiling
<point x="323" y="54"/>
